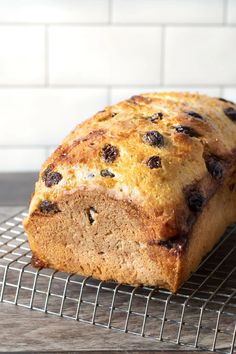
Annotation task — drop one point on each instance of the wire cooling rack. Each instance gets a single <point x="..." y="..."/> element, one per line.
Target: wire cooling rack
<point x="202" y="314"/>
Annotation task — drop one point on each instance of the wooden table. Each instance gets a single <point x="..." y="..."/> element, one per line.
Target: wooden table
<point x="27" y="330"/>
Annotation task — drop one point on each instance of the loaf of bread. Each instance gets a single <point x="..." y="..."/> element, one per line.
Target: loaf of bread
<point x="140" y="192"/>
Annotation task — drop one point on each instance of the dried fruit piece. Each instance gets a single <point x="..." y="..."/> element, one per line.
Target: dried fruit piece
<point x="153" y="138"/>
<point x="194" y="115"/>
<point x="109" y="153"/>
<point x="46" y="173"/>
<point x="154" y="162"/>
<point x="107" y="173"/>
<point x="183" y="129"/>
<point x="51" y="178"/>
<point x="176" y="244"/>
<point x="155" y="117"/>
<point x="47" y="207"/>
<point x="195" y="200"/>
<point x="214" y="166"/>
<point x="230" y="113"/>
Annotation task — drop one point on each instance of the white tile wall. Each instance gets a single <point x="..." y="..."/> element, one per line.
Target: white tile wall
<point x="104" y="55"/>
<point x="18" y="159"/>
<point x="229" y="93"/>
<point x="168" y="11"/>
<point x="22" y="54"/>
<point x="231" y="11"/>
<point x="200" y="55"/>
<point x="62" y="60"/>
<point x="42" y="117"/>
<point x="53" y="11"/>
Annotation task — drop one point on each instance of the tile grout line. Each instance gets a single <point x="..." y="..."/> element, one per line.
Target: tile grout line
<point x="46" y="152"/>
<point x="109" y="88"/>
<point x="120" y="24"/>
<point x="104" y="86"/>
<point x="225" y="9"/>
<point x="47" y="149"/>
<point x="162" y="55"/>
<point x="221" y="90"/>
<point x="25" y="147"/>
<point x="110" y="6"/>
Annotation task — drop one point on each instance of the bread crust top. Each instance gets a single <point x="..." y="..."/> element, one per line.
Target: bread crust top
<point x="165" y="153"/>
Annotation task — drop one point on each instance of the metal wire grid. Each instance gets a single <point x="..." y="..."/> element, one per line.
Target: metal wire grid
<point x="201" y="314"/>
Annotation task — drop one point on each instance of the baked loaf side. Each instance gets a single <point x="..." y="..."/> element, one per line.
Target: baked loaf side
<point x="140" y="192"/>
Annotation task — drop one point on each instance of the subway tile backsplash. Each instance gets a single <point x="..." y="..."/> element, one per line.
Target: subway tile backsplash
<point x="63" y="60"/>
<point x="42" y="117"/>
<point x="168" y="11"/>
<point x="200" y="55"/>
<point x="21" y="159"/>
<point x="54" y="11"/>
<point x="22" y="55"/>
<point x="104" y="55"/>
<point x="231" y="12"/>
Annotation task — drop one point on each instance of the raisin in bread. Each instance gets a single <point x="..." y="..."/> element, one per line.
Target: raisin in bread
<point x="140" y="192"/>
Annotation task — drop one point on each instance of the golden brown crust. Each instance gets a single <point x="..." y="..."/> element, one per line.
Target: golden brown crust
<point x="166" y="155"/>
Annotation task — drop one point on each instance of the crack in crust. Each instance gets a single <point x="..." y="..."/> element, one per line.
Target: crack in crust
<point x="63" y="151"/>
